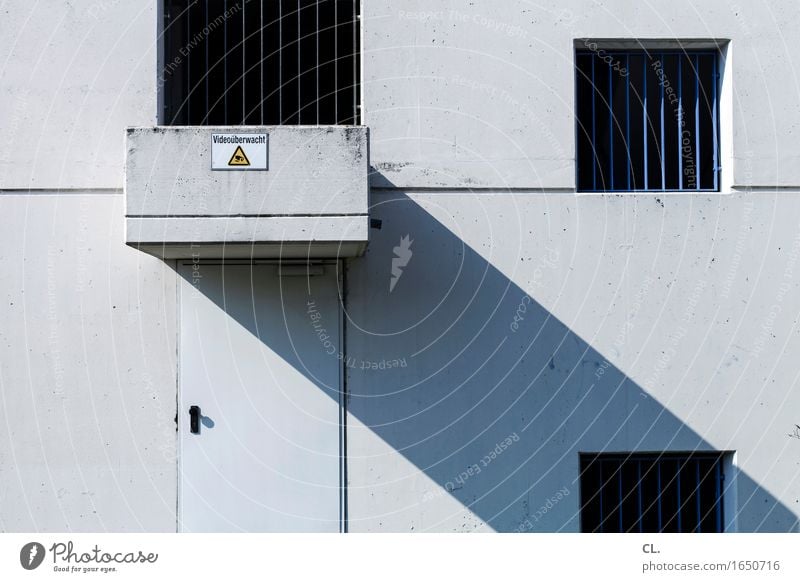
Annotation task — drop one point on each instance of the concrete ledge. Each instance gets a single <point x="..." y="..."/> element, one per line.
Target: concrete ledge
<point x="242" y="237"/>
<point x="314" y="196"/>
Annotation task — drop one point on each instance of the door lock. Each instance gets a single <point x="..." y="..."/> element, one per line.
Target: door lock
<point x="194" y="419"/>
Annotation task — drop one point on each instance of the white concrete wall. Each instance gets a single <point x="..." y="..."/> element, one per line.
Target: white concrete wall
<point x="700" y="289"/>
<point x="663" y="322"/>
<point x="87" y="327"/>
<point x="72" y="75"/>
<point x="467" y="94"/>
<point x="87" y="370"/>
<point x="643" y="324"/>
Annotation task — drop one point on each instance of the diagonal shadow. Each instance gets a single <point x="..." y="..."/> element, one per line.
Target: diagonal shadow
<point x="436" y="371"/>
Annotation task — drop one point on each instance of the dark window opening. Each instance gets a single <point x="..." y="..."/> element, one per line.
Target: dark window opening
<point x="652" y="493"/>
<point x="261" y="62"/>
<point x="647" y="120"/>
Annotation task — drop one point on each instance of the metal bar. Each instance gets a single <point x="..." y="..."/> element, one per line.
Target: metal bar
<point x="697" y="496"/>
<point x="718" y="494"/>
<point x="680" y="123"/>
<point x="207" y="42"/>
<point x="697" y="172"/>
<point x="336" y="61"/>
<point x="639" y="488"/>
<point x="645" y="123"/>
<point x="663" y="175"/>
<point x="714" y="121"/>
<point x="188" y="68"/>
<point x="594" y="131"/>
<point x="225" y="62"/>
<point x="299" y="67"/>
<point x="628" y="116"/>
<point x="678" y="477"/>
<point x="316" y="70"/>
<point x="244" y="65"/>
<point x="261" y="64"/>
<point x="280" y="62"/>
<point x="601" y="495"/>
<point x="658" y="488"/>
<point x="356" y="84"/>
<point x="619" y="494"/>
<point x="611" y="125"/>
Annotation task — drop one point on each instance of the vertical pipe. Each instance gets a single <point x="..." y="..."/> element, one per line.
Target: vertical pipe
<point x="714" y="121"/>
<point x="697" y="172"/>
<point x="628" y="116"/>
<point x="594" y="131"/>
<point x="663" y="175"/>
<point x="680" y="122"/>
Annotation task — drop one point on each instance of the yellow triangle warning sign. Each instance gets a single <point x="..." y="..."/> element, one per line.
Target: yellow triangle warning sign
<point x="238" y="158"/>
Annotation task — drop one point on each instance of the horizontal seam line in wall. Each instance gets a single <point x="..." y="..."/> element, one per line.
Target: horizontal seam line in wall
<point x="227" y="216"/>
<point x="743" y="188"/>
<point x="462" y="189"/>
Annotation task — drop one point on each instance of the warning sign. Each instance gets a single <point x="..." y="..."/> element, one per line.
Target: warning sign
<point x="239" y="151"/>
<point x="239" y="158"/>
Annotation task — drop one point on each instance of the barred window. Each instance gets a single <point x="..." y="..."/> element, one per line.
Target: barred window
<point x="651" y="493"/>
<point x="260" y="62"/>
<point x="647" y="120"/>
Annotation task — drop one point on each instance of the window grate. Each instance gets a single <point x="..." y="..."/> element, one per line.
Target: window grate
<point x="261" y="62"/>
<point x="651" y="493"/>
<point x="647" y="120"/>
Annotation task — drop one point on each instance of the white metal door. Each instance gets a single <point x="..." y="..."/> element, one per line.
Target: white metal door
<point x="266" y="380"/>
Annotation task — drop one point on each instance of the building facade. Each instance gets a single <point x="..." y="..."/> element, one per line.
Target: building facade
<point x="418" y="317"/>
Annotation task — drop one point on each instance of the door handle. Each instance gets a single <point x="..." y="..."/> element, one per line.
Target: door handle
<point x="194" y="419"/>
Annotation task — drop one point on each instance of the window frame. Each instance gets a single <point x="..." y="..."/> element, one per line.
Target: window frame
<point x="723" y="118"/>
<point x="725" y="472"/>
